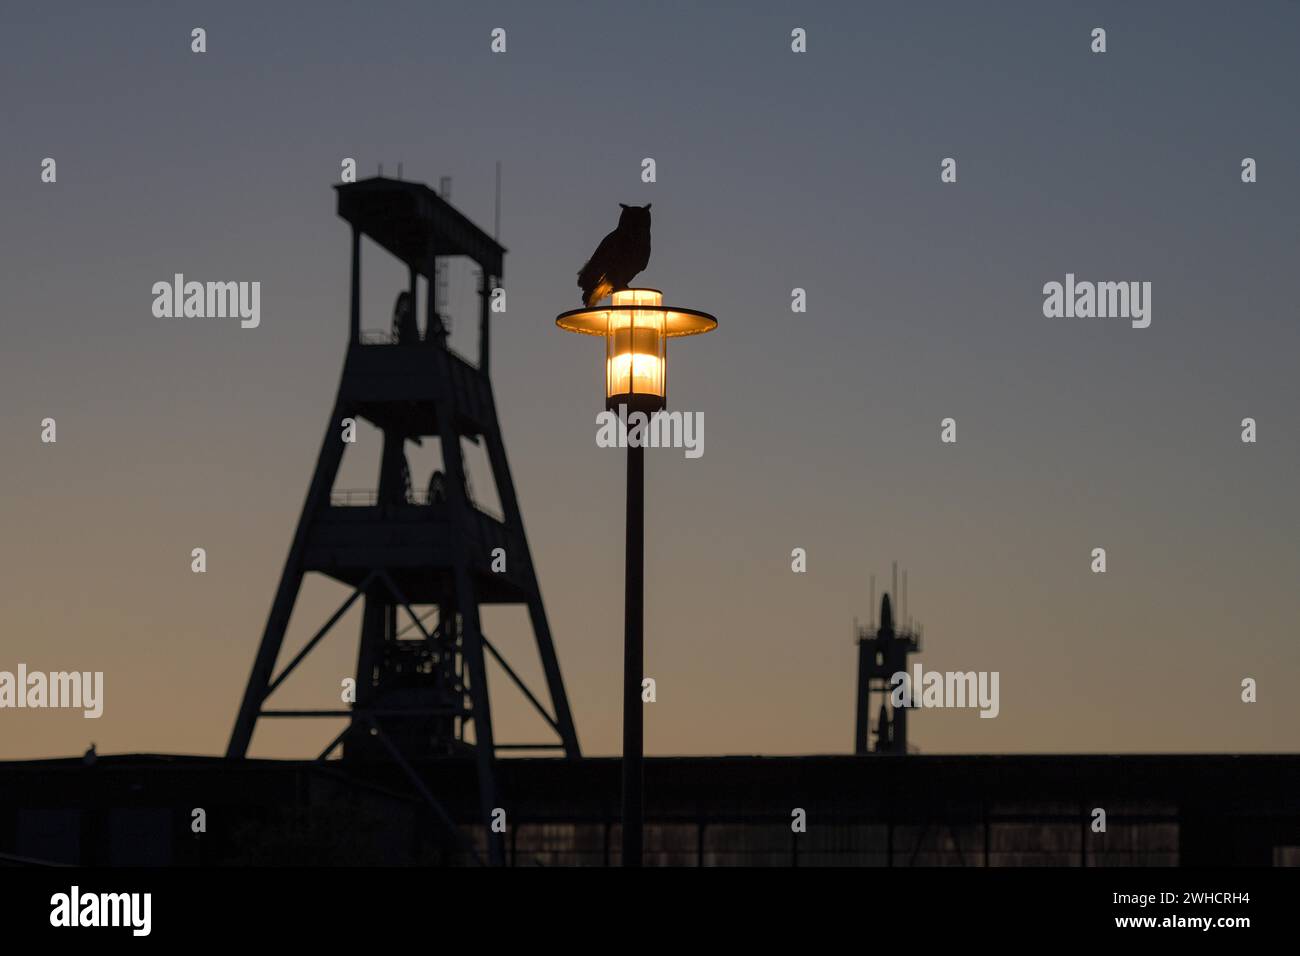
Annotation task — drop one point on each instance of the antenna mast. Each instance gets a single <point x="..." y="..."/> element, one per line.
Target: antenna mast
<point x="440" y="286"/>
<point x="496" y="221"/>
<point x="871" y="618"/>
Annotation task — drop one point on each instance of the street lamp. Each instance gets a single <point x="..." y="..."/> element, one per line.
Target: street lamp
<point x="636" y="327"/>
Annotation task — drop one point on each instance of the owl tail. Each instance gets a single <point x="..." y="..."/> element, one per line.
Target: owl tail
<point x="603" y="288"/>
<point x="594" y="286"/>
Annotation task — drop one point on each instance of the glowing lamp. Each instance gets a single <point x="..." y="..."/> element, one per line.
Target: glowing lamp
<point x="636" y="327"/>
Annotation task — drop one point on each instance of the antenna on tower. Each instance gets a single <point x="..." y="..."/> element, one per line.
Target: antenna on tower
<point x="496" y="219"/>
<point x="902" y="604"/>
<point x="440" y="284"/>
<point x="894" y="590"/>
<point x="871" y="621"/>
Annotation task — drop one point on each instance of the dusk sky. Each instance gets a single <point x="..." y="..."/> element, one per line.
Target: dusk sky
<point x="775" y="170"/>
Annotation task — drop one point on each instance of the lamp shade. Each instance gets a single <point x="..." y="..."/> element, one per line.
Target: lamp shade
<point x="636" y="326"/>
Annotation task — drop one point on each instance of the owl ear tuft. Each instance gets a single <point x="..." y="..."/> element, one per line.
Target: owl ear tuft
<point x="648" y="205"/>
<point x="624" y="205"/>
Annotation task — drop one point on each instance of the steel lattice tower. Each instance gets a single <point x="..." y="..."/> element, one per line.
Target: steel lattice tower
<point x="419" y="689"/>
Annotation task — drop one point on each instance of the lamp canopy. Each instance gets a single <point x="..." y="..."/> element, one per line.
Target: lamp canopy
<point x="677" y="321"/>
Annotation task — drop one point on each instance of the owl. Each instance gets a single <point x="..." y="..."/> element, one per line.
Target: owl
<point x="619" y="257"/>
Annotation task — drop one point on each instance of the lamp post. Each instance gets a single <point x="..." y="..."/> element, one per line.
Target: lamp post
<point x="636" y="327"/>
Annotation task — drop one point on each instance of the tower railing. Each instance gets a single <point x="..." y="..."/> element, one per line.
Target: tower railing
<point x="369" y="498"/>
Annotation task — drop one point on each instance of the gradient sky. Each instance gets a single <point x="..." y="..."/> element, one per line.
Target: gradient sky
<point x="775" y="170"/>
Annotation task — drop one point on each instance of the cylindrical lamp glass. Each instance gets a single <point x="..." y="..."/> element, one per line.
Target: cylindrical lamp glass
<point x="636" y="351"/>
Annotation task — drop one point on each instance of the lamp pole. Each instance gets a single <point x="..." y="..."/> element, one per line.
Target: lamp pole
<point x="635" y="326"/>
<point x="634" y="657"/>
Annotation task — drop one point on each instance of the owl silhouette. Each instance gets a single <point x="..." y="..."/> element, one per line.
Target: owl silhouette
<point x="619" y="257"/>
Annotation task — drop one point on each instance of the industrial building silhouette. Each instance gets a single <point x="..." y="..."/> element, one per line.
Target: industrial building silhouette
<point x="880" y="810"/>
